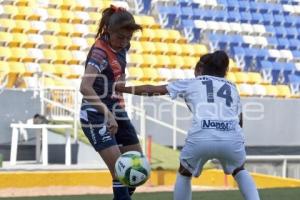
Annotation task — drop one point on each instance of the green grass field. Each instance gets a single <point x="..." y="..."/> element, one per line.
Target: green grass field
<point x="267" y="194"/>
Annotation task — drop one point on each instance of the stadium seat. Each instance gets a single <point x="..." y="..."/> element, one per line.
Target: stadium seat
<point x="76" y="71"/>
<point x="149" y="61"/>
<point x="165" y="73"/>
<point x="271" y="90"/>
<point x="164" y="61"/>
<point x="5" y="38"/>
<point x="259" y="90"/>
<point x="177" y="62"/>
<point x="137" y="47"/>
<point x="135" y="73"/>
<point x="146" y="21"/>
<point x="10" y="11"/>
<point x="4" y="70"/>
<point x="18" y="54"/>
<point x="135" y="60"/>
<point x="151" y="74"/>
<point x="245" y="89"/>
<point x="16" y="70"/>
<point x="255" y="78"/>
<point x="161" y="47"/>
<point x="50" y="41"/>
<point x="187" y="50"/>
<point x="241" y="77"/>
<point x="160" y="35"/>
<point x="62" y="70"/>
<point x="174" y="49"/>
<point x="175" y="36"/>
<point x="49" y="56"/>
<point x="231" y="77"/>
<point x="283" y="91"/>
<point x="200" y="50"/>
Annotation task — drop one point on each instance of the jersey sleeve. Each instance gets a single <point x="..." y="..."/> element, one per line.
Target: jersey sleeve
<point x="177" y="88"/>
<point x="98" y="59"/>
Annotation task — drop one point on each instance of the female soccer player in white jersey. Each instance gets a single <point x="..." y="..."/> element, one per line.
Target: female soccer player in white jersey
<point x="216" y="130"/>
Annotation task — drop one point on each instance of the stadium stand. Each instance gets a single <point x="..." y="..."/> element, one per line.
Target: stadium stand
<point x="261" y="38"/>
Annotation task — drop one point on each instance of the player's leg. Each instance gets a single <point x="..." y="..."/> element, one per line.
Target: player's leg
<point x="110" y="156"/>
<point x="245" y="183"/>
<point x="183" y="186"/>
<point x="106" y="145"/>
<point x="232" y="156"/>
<point x="127" y="138"/>
<point x="193" y="156"/>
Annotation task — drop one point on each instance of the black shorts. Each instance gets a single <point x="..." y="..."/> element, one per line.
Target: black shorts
<point x="94" y="127"/>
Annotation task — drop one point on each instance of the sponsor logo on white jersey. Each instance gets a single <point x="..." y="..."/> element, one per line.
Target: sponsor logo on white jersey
<point x="219" y="125"/>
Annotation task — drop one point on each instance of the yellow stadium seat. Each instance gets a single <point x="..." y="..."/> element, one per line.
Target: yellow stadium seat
<point x="22" y="2"/>
<point x="231" y="77"/>
<point x="148" y="47"/>
<point x="150" y="74"/>
<point x="53" y="28"/>
<point x="164" y="61"/>
<point x="10" y="11"/>
<point x="241" y="77"/>
<point x="134" y="83"/>
<point x="55" y="3"/>
<point x="21" y="26"/>
<point x="189" y="62"/>
<point x="48" y="82"/>
<point x="174" y="49"/>
<point x="149" y="21"/>
<point x="54" y="14"/>
<point x="271" y="90"/>
<point x="254" y="78"/>
<point x="5" y="53"/>
<point x="200" y="49"/>
<point x="16" y="70"/>
<point x="146" y="34"/>
<point x="7" y="24"/>
<point x="95" y="16"/>
<point x="5" y="38"/>
<point x="34" y="55"/>
<point x="34" y="40"/>
<point x="149" y="60"/>
<point x="17" y="54"/>
<point x="135" y="47"/>
<point x="283" y="91"/>
<point x="68" y="4"/>
<point x="49" y="55"/>
<point x="177" y="61"/>
<point x="47" y="68"/>
<point x="160" y="35"/>
<point x="66" y="16"/>
<point x="135" y="73"/>
<point x="93" y="29"/>
<point x="63" y="57"/>
<point x="135" y="60"/>
<point x="50" y="41"/>
<point x="187" y="49"/>
<point x="63" y="42"/>
<point x="66" y="29"/>
<point x="175" y="36"/>
<point x="24" y="12"/>
<point x="62" y="70"/>
<point x="161" y="47"/>
<point x="233" y="66"/>
<point x="19" y="40"/>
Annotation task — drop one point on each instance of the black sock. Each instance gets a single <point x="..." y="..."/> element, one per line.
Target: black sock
<point x="120" y="191"/>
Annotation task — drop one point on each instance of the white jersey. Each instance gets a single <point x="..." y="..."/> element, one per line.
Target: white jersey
<point x="215" y="104"/>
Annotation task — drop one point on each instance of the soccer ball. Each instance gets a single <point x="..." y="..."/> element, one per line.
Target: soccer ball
<point x="132" y="169"/>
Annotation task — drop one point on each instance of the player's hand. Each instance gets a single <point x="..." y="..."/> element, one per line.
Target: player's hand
<point x="120" y="83"/>
<point x="112" y="125"/>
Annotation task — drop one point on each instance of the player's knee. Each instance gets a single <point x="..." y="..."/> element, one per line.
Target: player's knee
<point x="237" y="170"/>
<point x="184" y="172"/>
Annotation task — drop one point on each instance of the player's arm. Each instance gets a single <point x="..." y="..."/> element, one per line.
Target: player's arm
<point x="145" y="90"/>
<point x="89" y="94"/>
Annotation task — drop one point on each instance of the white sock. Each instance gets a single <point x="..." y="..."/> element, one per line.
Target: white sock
<point x="246" y="185"/>
<point x="183" y="188"/>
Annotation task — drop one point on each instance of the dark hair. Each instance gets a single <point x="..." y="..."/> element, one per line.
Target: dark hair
<point x="215" y="64"/>
<point x="116" y="18"/>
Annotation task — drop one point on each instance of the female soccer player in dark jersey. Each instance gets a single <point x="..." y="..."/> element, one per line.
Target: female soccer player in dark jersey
<point x="103" y="117"/>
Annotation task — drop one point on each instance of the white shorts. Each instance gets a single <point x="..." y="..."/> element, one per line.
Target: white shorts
<point x="194" y="155"/>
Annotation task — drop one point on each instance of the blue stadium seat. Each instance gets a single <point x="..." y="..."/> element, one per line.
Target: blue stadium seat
<point x="276" y="8"/>
<point x="187" y="13"/>
<point x="262" y="7"/>
<point x="293" y="78"/>
<point x="280" y="31"/>
<point x="283" y="43"/>
<point x="272" y="41"/>
<point x="291" y="32"/>
<point x="244" y="6"/>
<point x="294" y="44"/>
<point x="221" y="16"/>
<point x="168" y="14"/>
<point x="257" y="18"/>
<point x="232" y="5"/>
<point x="278" y="20"/>
<point x="234" y="16"/>
<point x="245" y="17"/>
<point x="268" y="19"/>
<point x="296" y="54"/>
